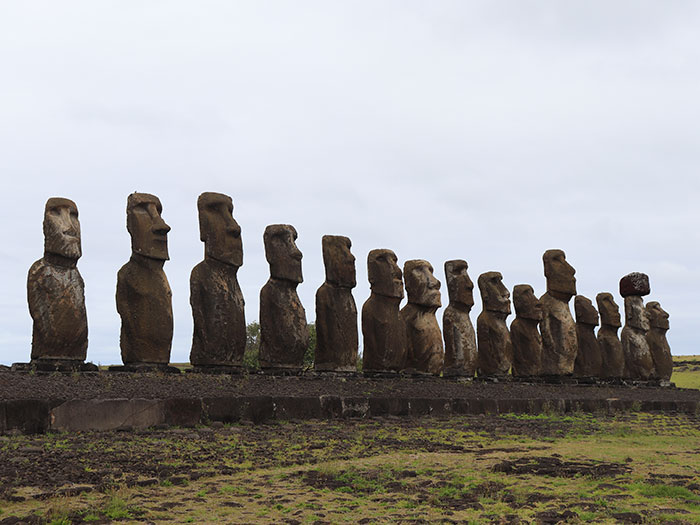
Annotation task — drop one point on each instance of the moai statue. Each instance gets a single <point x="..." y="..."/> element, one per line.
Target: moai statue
<point x="284" y="335"/>
<point x="424" y="349"/>
<point x="336" y="313"/>
<point x="559" y="344"/>
<point x="460" y="338"/>
<point x="383" y="331"/>
<point x="639" y="363"/>
<point x="144" y="299"/>
<point x="656" y="338"/>
<point x="495" y="347"/>
<point x="589" y="360"/>
<point x="612" y="356"/>
<point x="218" y="312"/>
<point x="56" y="291"/>
<point x="525" y="333"/>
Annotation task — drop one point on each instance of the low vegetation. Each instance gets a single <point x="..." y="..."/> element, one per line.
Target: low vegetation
<point x="545" y="468"/>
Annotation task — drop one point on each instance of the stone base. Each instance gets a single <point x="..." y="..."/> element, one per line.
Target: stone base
<point x="494" y="379"/>
<point x="558" y="380"/>
<point x="145" y="367"/>
<point x="412" y="372"/>
<point x="273" y="371"/>
<point x="456" y="372"/>
<point x="217" y="369"/>
<point x="331" y="373"/>
<point x="649" y="383"/>
<point x="380" y="374"/>
<point x="54" y="365"/>
<point x="587" y="380"/>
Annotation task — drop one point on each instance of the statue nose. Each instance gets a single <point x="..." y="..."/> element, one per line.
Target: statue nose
<point x="160" y="226"/>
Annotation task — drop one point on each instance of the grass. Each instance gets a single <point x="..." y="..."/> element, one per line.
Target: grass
<point x="686" y="375"/>
<point x="408" y="470"/>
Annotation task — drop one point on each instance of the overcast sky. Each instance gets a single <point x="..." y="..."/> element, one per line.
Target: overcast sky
<point x="483" y="130"/>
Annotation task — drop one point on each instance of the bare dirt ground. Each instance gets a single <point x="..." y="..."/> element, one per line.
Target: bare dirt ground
<point x="545" y="468"/>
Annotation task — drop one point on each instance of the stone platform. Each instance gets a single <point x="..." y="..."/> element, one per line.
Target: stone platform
<point x="107" y="401"/>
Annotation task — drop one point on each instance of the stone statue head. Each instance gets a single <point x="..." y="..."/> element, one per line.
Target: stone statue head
<point x="460" y="287"/>
<point x="385" y="277"/>
<point x="218" y="229"/>
<point x="338" y="261"/>
<point x="62" y="228"/>
<point x="494" y="295"/>
<point x="585" y="311"/>
<point x="526" y="303"/>
<point x="149" y="233"/>
<point x="609" y="311"/>
<point x="421" y="285"/>
<point x="658" y="317"/>
<point x="559" y="273"/>
<point x="282" y="253"/>
<point x="635" y="313"/>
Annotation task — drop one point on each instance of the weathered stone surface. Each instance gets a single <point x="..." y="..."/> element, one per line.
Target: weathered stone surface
<point x="55" y="289"/>
<point x="638" y="361"/>
<point x="81" y="415"/>
<point x="558" y="329"/>
<point x="494" y="343"/>
<point x="424" y="348"/>
<point x="656" y="338"/>
<point x="589" y="360"/>
<point x="284" y="335"/>
<point x="612" y="355"/>
<point x="383" y="330"/>
<point x="336" y="312"/>
<point x="144" y="299"/>
<point x="525" y="333"/>
<point x="635" y="283"/>
<point x="218" y="308"/>
<point x="460" y="338"/>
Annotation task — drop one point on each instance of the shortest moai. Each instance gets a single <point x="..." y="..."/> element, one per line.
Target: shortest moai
<point x="611" y="353"/>
<point x="144" y="299"/>
<point x="494" y="342"/>
<point x="218" y="308"/>
<point x="559" y="343"/>
<point x="383" y="331"/>
<point x="56" y="291"/>
<point x="639" y="364"/>
<point x="656" y="338"/>
<point x="336" y="312"/>
<point x="425" y="351"/>
<point x="589" y="361"/>
<point x="458" y="331"/>
<point x="525" y="333"/>
<point x="284" y="335"/>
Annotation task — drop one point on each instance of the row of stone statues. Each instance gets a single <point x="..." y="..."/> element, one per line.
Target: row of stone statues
<point x="543" y="340"/>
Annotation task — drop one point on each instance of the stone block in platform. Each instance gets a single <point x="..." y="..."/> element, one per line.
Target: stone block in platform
<point x="30" y="416"/>
<point x="297" y="407"/>
<point x="182" y="412"/>
<point x="107" y="414"/>
<point x="142" y="368"/>
<point x="217" y="369"/>
<point x="54" y="365"/>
